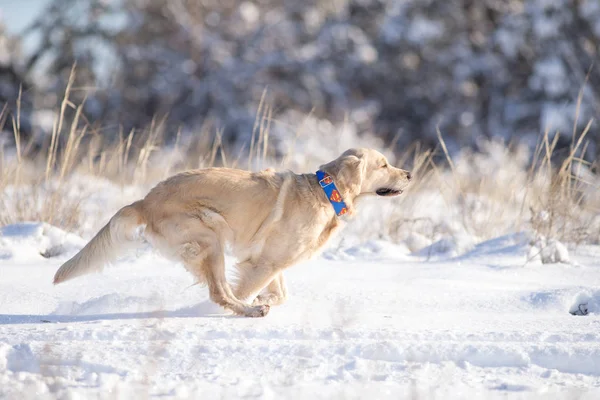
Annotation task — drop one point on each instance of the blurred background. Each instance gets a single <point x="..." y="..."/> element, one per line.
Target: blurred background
<point x="510" y="70"/>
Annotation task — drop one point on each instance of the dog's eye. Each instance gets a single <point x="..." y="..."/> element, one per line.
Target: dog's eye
<point x="384" y="166"/>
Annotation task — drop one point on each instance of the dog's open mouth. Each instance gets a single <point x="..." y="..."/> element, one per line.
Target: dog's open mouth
<point x="388" y="192"/>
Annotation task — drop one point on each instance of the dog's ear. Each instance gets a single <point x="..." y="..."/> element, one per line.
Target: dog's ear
<point x="347" y="171"/>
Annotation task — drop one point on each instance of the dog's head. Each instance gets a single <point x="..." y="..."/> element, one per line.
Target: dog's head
<point x="366" y="171"/>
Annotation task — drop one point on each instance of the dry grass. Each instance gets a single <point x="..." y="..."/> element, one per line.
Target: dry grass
<point x="556" y="198"/>
<point x="484" y="194"/>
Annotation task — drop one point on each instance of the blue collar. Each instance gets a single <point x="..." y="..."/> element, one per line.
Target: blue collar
<point x="332" y="192"/>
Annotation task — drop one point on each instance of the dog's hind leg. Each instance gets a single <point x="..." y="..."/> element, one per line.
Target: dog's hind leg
<point x="276" y="293"/>
<point x="204" y="259"/>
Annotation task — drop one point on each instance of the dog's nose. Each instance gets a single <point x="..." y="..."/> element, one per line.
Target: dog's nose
<point x="408" y="176"/>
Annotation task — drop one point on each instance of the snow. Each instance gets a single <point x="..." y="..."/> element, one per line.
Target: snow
<point x="549" y="251"/>
<point x="370" y="319"/>
<point x="35" y="241"/>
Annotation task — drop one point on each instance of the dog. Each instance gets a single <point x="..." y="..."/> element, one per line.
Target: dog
<point x="270" y="219"/>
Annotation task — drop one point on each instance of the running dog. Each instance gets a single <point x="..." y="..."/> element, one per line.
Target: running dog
<point x="271" y="220"/>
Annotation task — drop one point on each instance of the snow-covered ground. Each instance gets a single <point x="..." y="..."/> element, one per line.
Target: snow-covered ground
<point x="371" y="320"/>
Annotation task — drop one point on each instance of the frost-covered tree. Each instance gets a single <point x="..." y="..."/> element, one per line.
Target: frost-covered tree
<point x="490" y="68"/>
<point x="15" y="95"/>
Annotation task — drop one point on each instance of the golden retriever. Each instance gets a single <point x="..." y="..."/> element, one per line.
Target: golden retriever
<point x="272" y="220"/>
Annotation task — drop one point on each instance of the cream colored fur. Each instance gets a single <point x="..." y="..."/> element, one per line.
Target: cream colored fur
<point x="271" y="221"/>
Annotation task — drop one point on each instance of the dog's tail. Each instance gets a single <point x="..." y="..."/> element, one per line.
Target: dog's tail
<point x="123" y="232"/>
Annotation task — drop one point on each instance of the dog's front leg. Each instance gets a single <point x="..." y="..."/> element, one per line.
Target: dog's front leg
<point x="276" y="293"/>
<point x="254" y="278"/>
<point x="204" y="258"/>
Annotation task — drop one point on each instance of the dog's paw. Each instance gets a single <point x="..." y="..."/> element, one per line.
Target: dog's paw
<point x="269" y="299"/>
<point x="258" y="311"/>
<point x="261" y="300"/>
